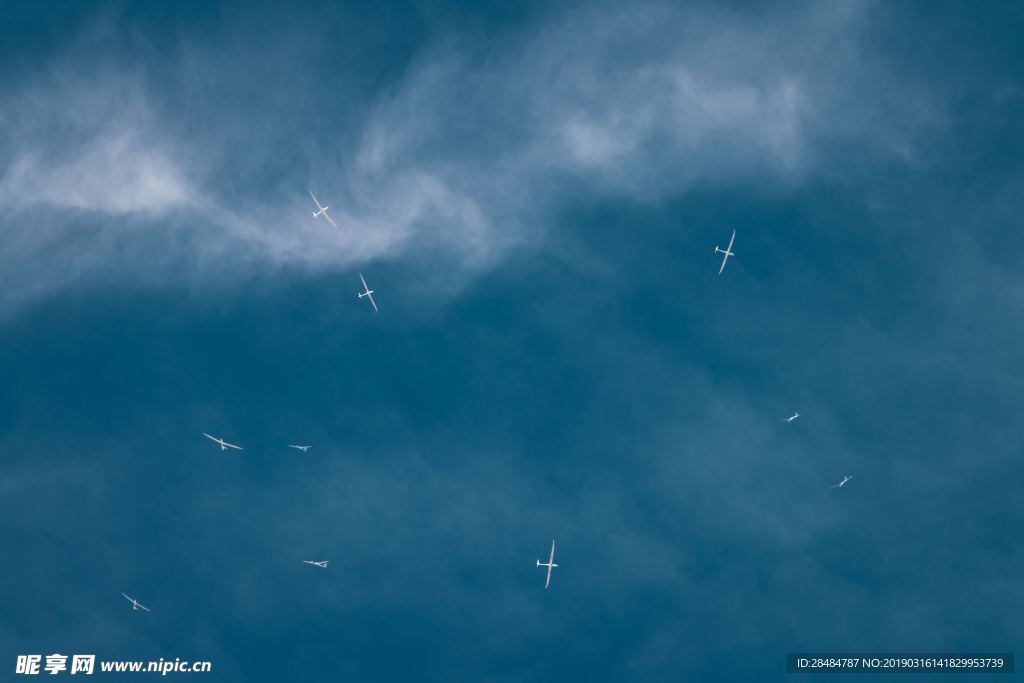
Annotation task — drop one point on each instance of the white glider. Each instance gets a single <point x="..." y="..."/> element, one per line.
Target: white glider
<point x="727" y="252"/>
<point x="318" y="563"/>
<point x="301" y="448"/>
<point x="136" y="604"/>
<point x="321" y="210"/>
<point x="791" y="417"/>
<point x="550" y="564"/>
<point x="367" y="292"/>
<point x="224" y="445"/>
<point x="847" y="478"/>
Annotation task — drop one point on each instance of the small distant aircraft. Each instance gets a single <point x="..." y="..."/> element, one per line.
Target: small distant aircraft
<point x="224" y="445"/>
<point x="367" y="292"/>
<point x="727" y="252"/>
<point x="301" y="448"/>
<point x="550" y="564"/>
<point x="847" y="478"/>
<point x="136" y="604"/>
<point x="318" y="563"/>
<point x="322" y="210"/>
<point x="791" y="417"/>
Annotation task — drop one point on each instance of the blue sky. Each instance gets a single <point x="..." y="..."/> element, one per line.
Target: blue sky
<point x="535" y="193"/>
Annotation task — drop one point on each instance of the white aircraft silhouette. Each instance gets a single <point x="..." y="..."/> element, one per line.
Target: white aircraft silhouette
<point x="224" y="445"/>
<point x="319" y="563"/>
<point x="301" y="448"/>
<point x="791" y="417"/>
<point x="847" y="478"/>
<point x="550" y="564"/>
<point x="322" y="210"/>
<point x="367" y="292"/>
<point x="136" y="604"/>
<point x="727" y="252"/>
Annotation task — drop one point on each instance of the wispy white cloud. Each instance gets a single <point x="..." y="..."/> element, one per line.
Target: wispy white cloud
<point x="459" y="156"/>
<point x="89" y="145"/>
<point x="112" y="173"/>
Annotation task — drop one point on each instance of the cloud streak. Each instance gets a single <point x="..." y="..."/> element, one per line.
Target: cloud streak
<point x="462" y="158"/>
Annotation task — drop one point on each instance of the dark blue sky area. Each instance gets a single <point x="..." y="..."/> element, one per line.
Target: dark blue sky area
<point x="535" y="194"/>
